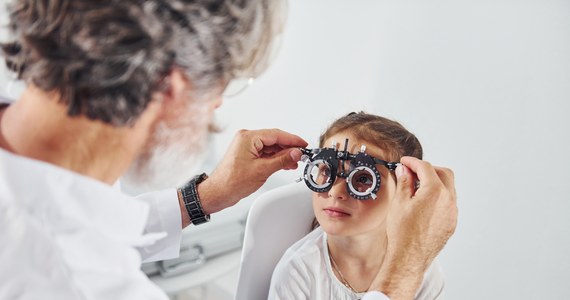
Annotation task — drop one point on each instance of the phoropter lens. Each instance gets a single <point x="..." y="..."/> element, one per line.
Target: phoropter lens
<point x="362" y="180"/>
<point x="319" y="172"/>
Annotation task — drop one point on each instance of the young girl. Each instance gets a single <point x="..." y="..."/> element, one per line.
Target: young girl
<point x="341" y="257"/>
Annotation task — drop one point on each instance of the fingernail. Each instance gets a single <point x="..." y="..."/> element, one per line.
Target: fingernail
<point x="295" y="155"/>
<point x="399" y="171"/>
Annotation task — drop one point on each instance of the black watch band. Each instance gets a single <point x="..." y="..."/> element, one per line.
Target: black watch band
<point x="189" y="194"/>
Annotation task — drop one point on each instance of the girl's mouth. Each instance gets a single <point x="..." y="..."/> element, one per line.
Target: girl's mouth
<point x="335" y="212"/>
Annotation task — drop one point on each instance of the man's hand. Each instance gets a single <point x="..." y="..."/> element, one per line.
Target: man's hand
<point x="419" y="223"/>
<point x="251" y="158"/>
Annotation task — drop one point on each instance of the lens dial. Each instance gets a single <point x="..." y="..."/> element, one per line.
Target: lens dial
<point x="364" y="179"/>
<point x="320" y="173"/>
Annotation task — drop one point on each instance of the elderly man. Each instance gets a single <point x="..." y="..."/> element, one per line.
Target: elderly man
<point x="128" y="88"/>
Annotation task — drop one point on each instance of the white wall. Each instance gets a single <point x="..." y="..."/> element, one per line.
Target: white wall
<point x="485" y="86"/>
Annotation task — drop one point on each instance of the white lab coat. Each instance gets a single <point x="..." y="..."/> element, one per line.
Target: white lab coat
<point x="67" y="236"/>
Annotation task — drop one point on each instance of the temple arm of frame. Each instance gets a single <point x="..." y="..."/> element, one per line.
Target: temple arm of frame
<point x="306" y="151"/>
<point x="390" y="165"/>
<point x="310" y="152"/>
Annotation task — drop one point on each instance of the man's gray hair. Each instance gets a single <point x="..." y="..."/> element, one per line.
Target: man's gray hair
<point x="105" y="58"/>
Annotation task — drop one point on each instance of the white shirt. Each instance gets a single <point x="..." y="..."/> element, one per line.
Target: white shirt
<point x="305" y="272"/>
<point x="67" y="236"/>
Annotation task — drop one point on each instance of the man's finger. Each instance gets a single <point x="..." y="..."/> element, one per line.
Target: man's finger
<point x="424" y="170"/>
<point x="284" y="139"/>
<point x="295" y="155"/>
<point x="285" y="159"/>
<point x="447" y="178"/>
<point x="271" y="149"/>
<point x="405" y="185"/>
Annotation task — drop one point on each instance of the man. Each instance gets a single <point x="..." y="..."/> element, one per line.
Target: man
<point x="122" y="88"/>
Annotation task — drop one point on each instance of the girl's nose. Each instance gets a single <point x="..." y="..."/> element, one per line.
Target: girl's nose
<point x="338" y="189"/>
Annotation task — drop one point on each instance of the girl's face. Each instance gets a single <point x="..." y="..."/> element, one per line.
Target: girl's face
<point x="341" y="215"/>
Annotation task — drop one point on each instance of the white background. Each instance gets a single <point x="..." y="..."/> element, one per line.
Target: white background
<point x="485" y="85"/>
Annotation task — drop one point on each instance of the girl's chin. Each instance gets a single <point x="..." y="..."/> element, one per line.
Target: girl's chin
<point x="344" y="229"/>
<point x="336" y="229"/>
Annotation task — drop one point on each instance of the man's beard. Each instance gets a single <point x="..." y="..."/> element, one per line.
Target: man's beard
<point x="174" y="154"/>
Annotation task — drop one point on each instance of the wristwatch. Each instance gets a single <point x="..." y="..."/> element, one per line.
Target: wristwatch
<point x="191" y="199"/>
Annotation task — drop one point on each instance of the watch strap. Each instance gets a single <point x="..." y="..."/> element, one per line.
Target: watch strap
<point x="192" y="201"/>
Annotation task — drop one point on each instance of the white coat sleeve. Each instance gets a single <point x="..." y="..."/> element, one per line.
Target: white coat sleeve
<point x="164" y="216"/>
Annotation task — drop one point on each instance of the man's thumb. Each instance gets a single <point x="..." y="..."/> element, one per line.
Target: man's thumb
<point x="285" y="159"/>
<point x="405" y="185"/>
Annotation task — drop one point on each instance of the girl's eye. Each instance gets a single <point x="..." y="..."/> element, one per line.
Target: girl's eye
<point x="364" y="180"/>
<point x="324" y="170"/>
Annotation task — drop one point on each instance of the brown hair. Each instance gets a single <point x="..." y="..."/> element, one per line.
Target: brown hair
<point x="389" y="135"/>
